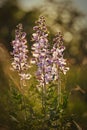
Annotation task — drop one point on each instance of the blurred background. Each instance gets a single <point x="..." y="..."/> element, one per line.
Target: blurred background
<point x="67" y="16"/>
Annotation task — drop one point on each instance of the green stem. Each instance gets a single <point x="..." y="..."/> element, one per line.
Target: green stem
<point x="45" y="100"/>
<point x="23" y="100"/>
<point x="44" y="95"/>
<point x="59" y="89"/>
<point x="58" y="93"/>
<point x="42" y="99"/>
<point x="25" y="112"/>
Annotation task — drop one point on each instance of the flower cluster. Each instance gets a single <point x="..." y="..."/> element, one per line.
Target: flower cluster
<point x="59" y="63"/>
<point x="41" y="52"/>
<point x="19" y="53"/>
<point x="49" y="62"/>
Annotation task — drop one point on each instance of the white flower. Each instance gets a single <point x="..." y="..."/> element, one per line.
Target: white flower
<point x="25" y="76"/>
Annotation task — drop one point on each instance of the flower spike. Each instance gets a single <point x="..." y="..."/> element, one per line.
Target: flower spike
<point x="19" y="53"/>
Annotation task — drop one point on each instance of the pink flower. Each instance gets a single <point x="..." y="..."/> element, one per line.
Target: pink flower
<point x="41" y="53"/>
<point x="19" y="53"/>
<point x="59" y="63"/>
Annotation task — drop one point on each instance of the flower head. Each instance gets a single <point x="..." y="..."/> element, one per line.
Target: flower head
<point x="41" y="53"/>
<point x="19" y="53"/>
<point x="59" y="63"/>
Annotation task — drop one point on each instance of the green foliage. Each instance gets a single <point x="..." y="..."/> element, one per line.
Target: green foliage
<point x="26" y="112"/>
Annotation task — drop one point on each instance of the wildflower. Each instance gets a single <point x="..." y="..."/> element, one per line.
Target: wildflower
<point x="59" y="63"/>
<point x="41" y="53"/>
<point x="19" y="53"/>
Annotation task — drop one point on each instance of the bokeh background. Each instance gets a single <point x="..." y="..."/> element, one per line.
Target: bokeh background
<point x="67" y="16"/>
